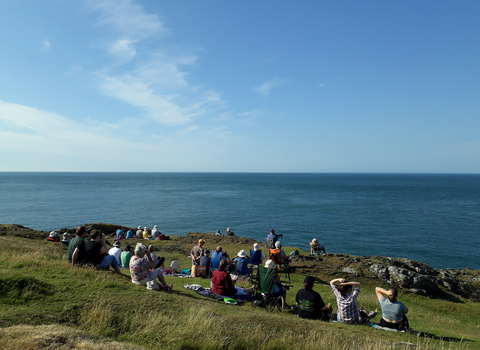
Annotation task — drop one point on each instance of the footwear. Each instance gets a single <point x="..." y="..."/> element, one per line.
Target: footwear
<point x="168" y="288"/>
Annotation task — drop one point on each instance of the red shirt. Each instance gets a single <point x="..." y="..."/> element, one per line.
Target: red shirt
<point x="222" y="283"/>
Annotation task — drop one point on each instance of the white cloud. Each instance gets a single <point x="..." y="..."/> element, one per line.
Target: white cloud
<point x="153" y="81"/>
<point x="265" y="88"/>
<point x="123" y="48"/>
<point x="127" y="19"/>
<point x="45" y="45"/>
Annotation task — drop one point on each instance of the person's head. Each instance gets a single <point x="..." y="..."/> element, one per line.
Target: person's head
<point x="272" y="231"/>
<point x="95" y="235"/>
<point x="140" y="249"/>
<point x="218" y="249"/>
<point x="81" y="231"/>
<point x="207" y="252"/>
<point x="314" y="240"/>
<point x="218" y="231"/>
<point x="117" y="244"/>
<point x="128" y="248"/>
<point x="150" y="248"/>
<point x="256" y="246"/>
<point x="278" y="244"/>
<point x="139" y="227"/>
<point x="394" y="295"/>
<point x="308" y="282"/>
<point x="242" y="254"/>
<point x="344" y="289"/>
<point x="222" y="266"/>
<point x="270" y="264"/>
<point x="228" y="229"/>
<point x="201" y="242"/>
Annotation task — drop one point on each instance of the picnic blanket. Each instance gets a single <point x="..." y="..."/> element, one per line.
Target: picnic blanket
<point x="207" y="292"/>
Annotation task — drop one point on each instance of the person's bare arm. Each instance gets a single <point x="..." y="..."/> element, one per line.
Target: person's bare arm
<point x="341" y="280"/>
<point x="75" y="255"/>
<point x="380" y="292"/>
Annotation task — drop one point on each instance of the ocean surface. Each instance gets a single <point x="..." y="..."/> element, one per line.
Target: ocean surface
<point x="430" y="218"/>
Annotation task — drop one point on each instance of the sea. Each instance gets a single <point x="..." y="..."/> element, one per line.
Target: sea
<point x="432" y="218"/>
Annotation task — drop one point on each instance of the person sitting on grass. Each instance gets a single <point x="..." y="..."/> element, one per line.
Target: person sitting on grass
<point x="242" y="261"/>
<point x="76" y="247"/>
<point x="310" y="303"/>
<point x="348" y="311"/>
<point x="141" y="264"/>
<point x="393" y="311"/>
<point x="97" y="252"/>
<point x="116" y="251"/>
<point x="206" y="261"/>
<point x="126" y="256"/>
<point x="130" y="234"/>
<point x="222" y="283"/>
<point x="278" y="288"/>
<point x="159" y="261"/>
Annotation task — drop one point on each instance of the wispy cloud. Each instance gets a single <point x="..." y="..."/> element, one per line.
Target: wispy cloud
<point x="265" y="88"/>
<point x="153" y="81"/>
<point x="45" y="45"/>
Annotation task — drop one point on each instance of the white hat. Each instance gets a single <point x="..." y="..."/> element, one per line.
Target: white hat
<point x="139" y="228"/>
<point x="242" y="253"/>
<point x="117" y="244"/>
<point x="145" y="228"/>
<point x="278" y="244"/>
<point x="155" y="226"/>
<point x="52" y="234"/>
<point x="256" y="246"/>
<point x="270" y="264"/>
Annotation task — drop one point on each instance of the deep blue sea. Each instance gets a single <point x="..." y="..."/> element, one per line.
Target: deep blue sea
<point x="430" y="218"/>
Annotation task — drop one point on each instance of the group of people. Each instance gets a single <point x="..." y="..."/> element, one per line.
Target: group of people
<point x="141" y="233"/>
<point x="146" y="267"/>
<point x="311" y="305"/>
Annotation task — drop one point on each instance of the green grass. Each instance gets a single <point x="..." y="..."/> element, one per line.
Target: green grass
<point x="38" y="288"/>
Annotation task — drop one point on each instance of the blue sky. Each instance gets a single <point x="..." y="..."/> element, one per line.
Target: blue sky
<point x="240" y="86"/>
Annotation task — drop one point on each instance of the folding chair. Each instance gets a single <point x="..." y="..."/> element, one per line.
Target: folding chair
<point x="256" y="256"/>
<point x="264" y="287"/>
<point x="283" y="267"/>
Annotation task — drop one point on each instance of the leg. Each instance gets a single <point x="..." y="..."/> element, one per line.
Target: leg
<point x="161" y="279"/>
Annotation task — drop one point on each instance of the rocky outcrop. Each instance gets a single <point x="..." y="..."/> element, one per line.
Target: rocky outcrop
<point x="408" y="275"/>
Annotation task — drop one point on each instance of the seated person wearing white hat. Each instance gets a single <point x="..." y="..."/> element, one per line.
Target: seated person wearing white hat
<point x="242" y="261"/>
<point x="116" y="251"/>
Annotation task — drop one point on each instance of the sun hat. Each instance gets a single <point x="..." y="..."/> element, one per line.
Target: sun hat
<point x="270" y="264"/>
<point x="117" y="244"/>
<point x="314" y="240"/>
<point x="278" y="244"/>
<point x="52" y="234"/>
<point x="139" y="228"/>
<point x="242" y="253"/>
<point x="256" y="246"/>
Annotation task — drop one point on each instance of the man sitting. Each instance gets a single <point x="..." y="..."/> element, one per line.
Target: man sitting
<point x="97" y="252"/>
<point x="310" y="303"/>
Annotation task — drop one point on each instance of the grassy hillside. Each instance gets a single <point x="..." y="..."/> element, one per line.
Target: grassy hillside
<point x="47" y="304"/>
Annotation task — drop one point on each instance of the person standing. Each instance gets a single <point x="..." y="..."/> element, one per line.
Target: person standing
<point x="197" y="252"/>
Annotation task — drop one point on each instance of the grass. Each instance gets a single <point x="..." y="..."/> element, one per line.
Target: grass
<point x="47" y="304"/>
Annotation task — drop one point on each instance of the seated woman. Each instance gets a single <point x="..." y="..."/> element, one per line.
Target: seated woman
<point x="315" y="247"/>
<point x="140" y="266"/>
<point x="242" y="261"/>
<point x="222" y="283"/>
<point x="393" y="311"/>
<point x="310" y="303"/>
<point x="278" y="287"/>
<point x="346" y="300"/>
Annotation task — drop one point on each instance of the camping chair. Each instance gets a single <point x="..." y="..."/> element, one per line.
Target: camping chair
<point x="256" y="256"/>
<point x="283" y="266"/>
<point x="270" y="243"/>
<point x="264" y="287"/>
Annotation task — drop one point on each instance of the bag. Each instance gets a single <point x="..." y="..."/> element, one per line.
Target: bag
<point x="175" y="266"/>
<point x="198" y="271"/>
<point x="294" y="253"/>
<point x="153" y="285"/>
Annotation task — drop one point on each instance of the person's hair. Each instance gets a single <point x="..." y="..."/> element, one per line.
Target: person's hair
<point x="393" y="298"/>
<point x="344" y="289"/>
<point x="218" y="249"/>
<point x="278" y="244"/>
<point x="222" y="266"/>
<point x="81" y="230"/>
<point x="95" y="233"/>
<point x="128" y="247"/>
<point x="308" y="285"/>
<point x="201" y="241"/>
<point x="140" y="248"/>
<point x="272" y="231"/>
<point x="150" y="248"/>
<point x="207" y="251"/>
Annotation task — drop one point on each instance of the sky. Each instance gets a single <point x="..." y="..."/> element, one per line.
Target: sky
<point x="240" y="86"/>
